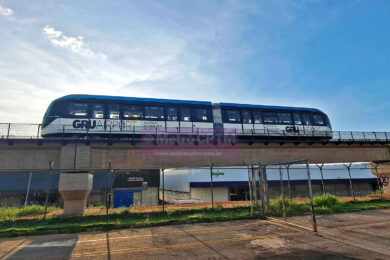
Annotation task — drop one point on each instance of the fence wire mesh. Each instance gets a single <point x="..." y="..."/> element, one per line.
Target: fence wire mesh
<point x="35" y="194"/>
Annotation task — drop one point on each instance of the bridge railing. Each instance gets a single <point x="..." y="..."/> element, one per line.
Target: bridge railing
<point x="34" y="131"/>
<point x="20" y="130"/>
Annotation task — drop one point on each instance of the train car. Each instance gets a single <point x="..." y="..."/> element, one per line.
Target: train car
<point x="102" y="115"/>
<point x="88" y="114"/>
<point x="274" y="121"/>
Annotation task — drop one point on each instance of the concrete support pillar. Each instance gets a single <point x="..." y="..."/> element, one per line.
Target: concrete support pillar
<point x="75" y="156"/>
<point x="74" y="188"/>
<point x="382" y="171"/>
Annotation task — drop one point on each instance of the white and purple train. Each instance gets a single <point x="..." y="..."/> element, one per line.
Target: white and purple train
<point x="102" y="115"/>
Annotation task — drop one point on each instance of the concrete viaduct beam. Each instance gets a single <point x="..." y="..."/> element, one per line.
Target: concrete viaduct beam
<point x="122" y="157"/>
<point x="125" y="156"/>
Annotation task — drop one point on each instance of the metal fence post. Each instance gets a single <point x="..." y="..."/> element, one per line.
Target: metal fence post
<point x="250" y="189"/>
<point x="311" y="198"/>
<point x="51" y="163"/>
<point x="112" y="171"/>
<point x="379" y="182"/>
<point x="352" y="192"/>
<point x="254" y="188"/>
<point x="107" y="184"/>
<point x="9" y="129"/>
<point x="39" y="130"/>
<point x="28" y="189"/>
<point x="211" y="186"/>
<point x="289" y="182"/>
<point x="264" y="189"/>
<point x="282" y="192"/>
<point x="321" y="167"/>
<point x="163" y="190"/>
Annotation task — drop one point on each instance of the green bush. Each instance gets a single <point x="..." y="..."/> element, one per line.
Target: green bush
<point x="292" y="207"/>
<point x="31" y="210"/>
<point x="12" y="213"/>
<point x="326" y="200"/>
<point x="7" y="214"/>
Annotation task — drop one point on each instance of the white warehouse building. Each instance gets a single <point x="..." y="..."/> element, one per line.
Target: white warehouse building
<point x="231" y="183"/>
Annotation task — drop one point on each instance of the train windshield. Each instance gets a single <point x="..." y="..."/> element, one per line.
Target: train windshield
<point x="318" y="119"/>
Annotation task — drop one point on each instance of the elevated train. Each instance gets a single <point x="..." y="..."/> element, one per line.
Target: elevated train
<point x="102" y="115"/>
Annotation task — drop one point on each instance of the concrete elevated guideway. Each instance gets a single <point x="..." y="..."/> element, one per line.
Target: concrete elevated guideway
<point x="79" y="154"/>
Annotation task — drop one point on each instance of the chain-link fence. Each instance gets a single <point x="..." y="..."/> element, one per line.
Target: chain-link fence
<point x="268" y="189"/>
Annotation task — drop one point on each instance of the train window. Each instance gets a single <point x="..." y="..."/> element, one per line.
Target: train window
<point x="285" y="118"/>
<point x="200" y="115"/>
<point x="246" y="117"/>
<point x="318" y="119"/>
<point x="257" y="117"/>
<point x="270" y="118"/>
<point x="154" y="113"/>
<point x="297" y="119"/>
<point x="113" y="112"/>
<point x="172" y="114"/>
<point x="78" y="109"/>
<point x="306" y="120"/>
<point x="97" y="111"/>
<point x="233" y="116"/>
<point x="133" y="112"/>
<point x="185" y="114"/>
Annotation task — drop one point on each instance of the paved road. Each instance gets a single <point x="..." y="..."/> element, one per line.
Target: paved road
<point x="363" y="235"/>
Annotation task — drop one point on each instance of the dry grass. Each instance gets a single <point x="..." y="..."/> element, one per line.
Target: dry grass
<point x="98" y="211"/>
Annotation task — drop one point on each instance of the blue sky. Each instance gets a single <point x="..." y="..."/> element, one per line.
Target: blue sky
<point x="333" y="55"/>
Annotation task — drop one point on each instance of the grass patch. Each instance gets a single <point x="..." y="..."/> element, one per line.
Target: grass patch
<point x="11" y="224"/>
<point x="119" y="220"/>
<point x="326" y="200"/>
<point x="292" y="207"/>
<point x="12" y="213"/>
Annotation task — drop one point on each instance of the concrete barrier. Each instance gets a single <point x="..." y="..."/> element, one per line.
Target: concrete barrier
<point x="74" y="188"/>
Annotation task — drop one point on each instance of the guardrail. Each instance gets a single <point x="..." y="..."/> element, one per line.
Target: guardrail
<point x="33" y="131"/>
<point x="20" y="130"/>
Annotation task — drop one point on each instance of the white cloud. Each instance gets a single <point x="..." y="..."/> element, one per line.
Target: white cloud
<point x="4" y="11"/>
<point x="75" y="44"/>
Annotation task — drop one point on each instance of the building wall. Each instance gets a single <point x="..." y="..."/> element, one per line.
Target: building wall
<point x="176" y="180"/>
<point x="204" y="194"/>
<point x="148" y="196"/>
<point x="171" y="196"/>
<point x="340" y="188"/>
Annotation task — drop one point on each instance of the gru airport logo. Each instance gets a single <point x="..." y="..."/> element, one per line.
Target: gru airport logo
<point x="84" y="124"/>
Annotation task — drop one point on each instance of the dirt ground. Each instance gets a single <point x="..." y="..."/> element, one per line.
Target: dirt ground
<point x="363" y="235"/>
